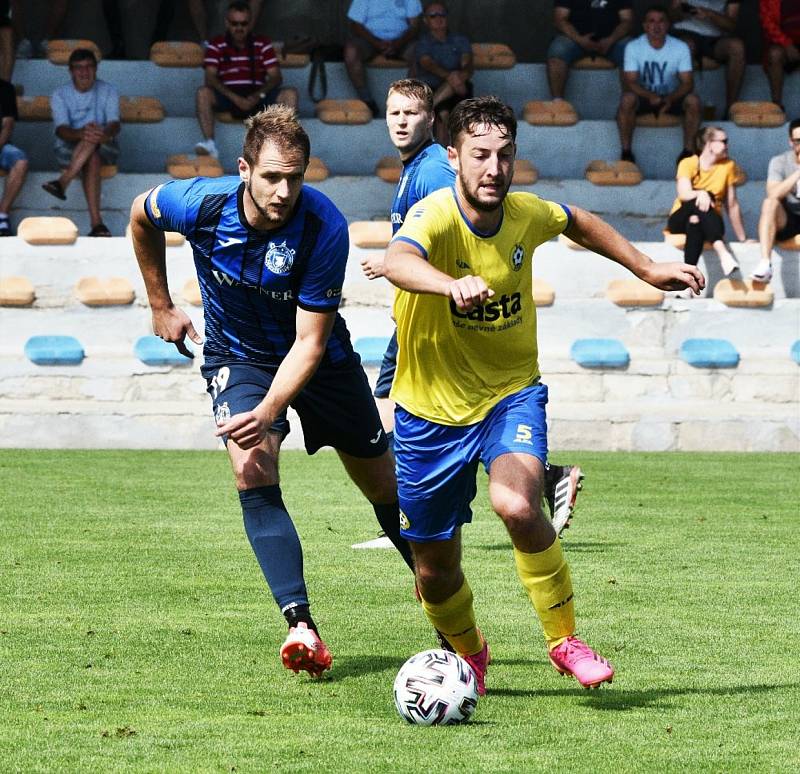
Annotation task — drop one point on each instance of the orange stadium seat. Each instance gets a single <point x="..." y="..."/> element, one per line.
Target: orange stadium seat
<point x="743" y="293"/>
<point x="793" y="243"/>
<point x="182" y="167"/>
<point x="34" y="108"/>
<point x="679" y="240"/>
<point x="45" y="230"/>
<point x="317" y="171"/>
<point x="633" y="292"/>
<point x="543" y="293"/>
<point x="104" y="291"/>
<point x="343" y="111"/>
<point x="567" y="242"/>
<point x="762" y="114"/>
<point x="389" y="169"/>
<point x="370" y="234"/>
<point x="172" y="238"/>
<point x="593" y="63"/>
<point x="176" y="53"/>
<point x="141" y="110"/>
<point x="58" y="51"/>
<point x="543" y="113"/>
<point x="665" y="119"/>
<point x="191" y="292"/>
<point x="614" y="173"/>
<point x="294" y="60"/>
<point x="524" y="173"/>
<point x="492" y="56"/>
<point x="16" y="291"/>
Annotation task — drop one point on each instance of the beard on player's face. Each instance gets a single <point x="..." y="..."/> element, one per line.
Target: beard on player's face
<point x="275" y="213"/>
<point x="485" y="202"/>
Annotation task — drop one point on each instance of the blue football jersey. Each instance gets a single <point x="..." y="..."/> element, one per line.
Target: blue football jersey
<point x="425" y="172"/>
<point x="251" y="281"/>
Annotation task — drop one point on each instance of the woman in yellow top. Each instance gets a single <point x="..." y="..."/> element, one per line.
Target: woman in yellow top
<point x="707" y="183"/>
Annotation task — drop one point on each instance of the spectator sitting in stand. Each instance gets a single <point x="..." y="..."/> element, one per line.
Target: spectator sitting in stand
<point x="586" y="28"/>
<point x="199" y="17"/>
<point x="86" y="119"/>
<point x="780" y="212"/>
<point x="242" y="76"/>
<point x="658" y="78"/>
<point x="780" y="22"/>
<point x="444" y="62"/>
<point x="707" y="184"/>
<point x="387" y="27"/>
<point x="12" y="159"/>
<point x="707" y="26"/>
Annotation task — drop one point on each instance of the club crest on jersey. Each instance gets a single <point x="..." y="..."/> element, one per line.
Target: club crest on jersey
<point x="404" y="522"/>
<point x="517" y="257"/>
<point x="279" y="258"/>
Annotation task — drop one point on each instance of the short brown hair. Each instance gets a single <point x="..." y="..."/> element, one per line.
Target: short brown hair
<point x="489" y="111"/>
<point x="414" y="89"/>
<point x="277" y="124"/>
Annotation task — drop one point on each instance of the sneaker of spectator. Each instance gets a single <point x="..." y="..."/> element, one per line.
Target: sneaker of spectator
<point x="206" y="148"/>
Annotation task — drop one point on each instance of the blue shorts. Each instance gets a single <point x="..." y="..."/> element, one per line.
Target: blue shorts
<point x="10" y="155"/>
<point x="335" y="407"/>
<point x="436" y="464"/>
<point x="388" y="366"/>
<point x="568" y="50"/>
<point x="223" y="105"/>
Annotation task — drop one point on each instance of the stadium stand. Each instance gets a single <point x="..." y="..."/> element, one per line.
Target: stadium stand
<point x="746" y="293"/>
<point x="48" y="231"/>
<point x="104" y="291"/>
<point x="657" y="401"/>
<point x="633" y="292"/>
<point x="58" y="51"/>
<point x="613" y="173"/>
<point x="16" y="291"/>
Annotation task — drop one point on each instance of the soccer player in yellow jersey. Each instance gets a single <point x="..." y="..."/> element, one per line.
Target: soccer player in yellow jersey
<point x="467" y="386"/>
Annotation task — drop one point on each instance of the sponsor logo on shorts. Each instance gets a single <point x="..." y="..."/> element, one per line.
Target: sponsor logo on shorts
<point x="524" y="435"/>
<point x="333" y="293"/>
<point x="517" y="257"/>
<point x="396" y="218"/>
<point x="404" y="522"/>
<point x="506" y="306"/>
<point x="279" y="258"/>
<point x="377" y="437"/>
<point x="222" y="414"/>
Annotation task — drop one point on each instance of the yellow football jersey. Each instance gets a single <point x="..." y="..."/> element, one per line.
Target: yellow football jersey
<point x="453" y="367"/>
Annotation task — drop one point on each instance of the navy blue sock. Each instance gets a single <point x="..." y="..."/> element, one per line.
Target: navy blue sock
<point x="389" y="518"/>
<point x="275" y="544"/>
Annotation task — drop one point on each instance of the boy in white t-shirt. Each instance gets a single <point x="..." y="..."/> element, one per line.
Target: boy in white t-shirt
<point x="657" y="78"/>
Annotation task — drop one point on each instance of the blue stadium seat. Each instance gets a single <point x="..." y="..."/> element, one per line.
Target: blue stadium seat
<point x="709" y="353"/>
<point x="153" y="351"/>
<point x="795" y="352"/>
<point x="600" y="353"/>
<point x="371" y="349"/>
<point x="54" y="350"/>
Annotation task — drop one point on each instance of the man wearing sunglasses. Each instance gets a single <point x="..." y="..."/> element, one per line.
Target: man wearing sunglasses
<point x="242" y="76"/>
<point x="780" y="212"/>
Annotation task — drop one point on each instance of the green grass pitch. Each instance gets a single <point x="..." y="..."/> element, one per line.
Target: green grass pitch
<point x="136" y="632"/>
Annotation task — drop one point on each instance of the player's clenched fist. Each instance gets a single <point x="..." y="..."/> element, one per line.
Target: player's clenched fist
<point x="469" y="292"/>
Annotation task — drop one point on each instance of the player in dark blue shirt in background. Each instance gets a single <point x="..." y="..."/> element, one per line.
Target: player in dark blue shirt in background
<point x="426" y="168"/>
<point x="270" y="256"/>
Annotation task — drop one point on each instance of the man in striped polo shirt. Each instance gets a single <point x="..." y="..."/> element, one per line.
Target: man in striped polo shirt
<point x="242" y="76"/>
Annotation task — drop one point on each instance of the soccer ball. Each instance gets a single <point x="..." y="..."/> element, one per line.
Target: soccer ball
<point x="435" y="688"/>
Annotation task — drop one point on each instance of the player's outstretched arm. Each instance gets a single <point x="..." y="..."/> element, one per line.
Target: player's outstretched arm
<point x="406" y="268"/>
<point x="598" y="236"/>
<point x="301" y="362"/>
<point x="169" y="322"/>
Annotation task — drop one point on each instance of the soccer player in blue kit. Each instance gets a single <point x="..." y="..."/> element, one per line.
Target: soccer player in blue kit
<point x="270" y="255"/>
<point x="426" y="169"/>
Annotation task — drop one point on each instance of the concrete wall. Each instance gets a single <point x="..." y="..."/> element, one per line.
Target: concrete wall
<point x="657" y="403"/>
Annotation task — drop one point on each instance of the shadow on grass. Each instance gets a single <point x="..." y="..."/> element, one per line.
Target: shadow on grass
<point x="610" y="698"/>
<point x="359" y="665"/>
<point x="570" y="545"/>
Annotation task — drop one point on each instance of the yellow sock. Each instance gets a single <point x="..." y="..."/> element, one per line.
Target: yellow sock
<point x="545" y="576"/>
<point x="455" y="619"/>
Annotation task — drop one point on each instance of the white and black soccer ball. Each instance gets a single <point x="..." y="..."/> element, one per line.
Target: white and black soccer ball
<point x="435" y="688"/>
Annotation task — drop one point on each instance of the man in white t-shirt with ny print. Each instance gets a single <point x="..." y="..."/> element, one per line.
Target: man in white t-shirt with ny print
<point x="657" y="79"/>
